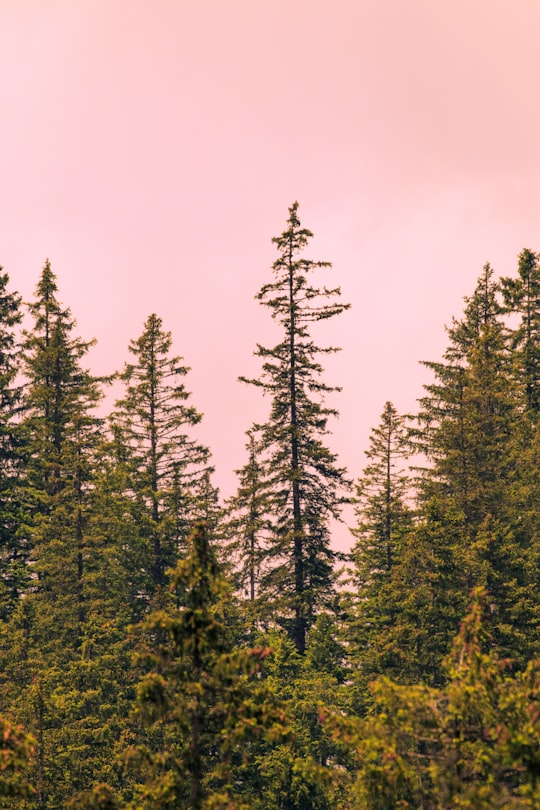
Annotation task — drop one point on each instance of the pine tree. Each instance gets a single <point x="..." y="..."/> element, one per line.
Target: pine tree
<point x="522" y="297"/>
<point x="206" y="700"/>
<point x="306" y="483"/>
<point x="248" y="521"/>
<point x="55" y="676"/>
<point x="473" y="743"/>
<point x="381" y="498"/>
<point x="468" y="417"/>
<point x="166" y="468"/>
<point x="13" y="547"/>
<point x="61" y="434"/>
<point x="475" y="439"/>
<point x="384" y="519"/>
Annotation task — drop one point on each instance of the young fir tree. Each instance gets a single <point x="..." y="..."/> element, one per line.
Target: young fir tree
<point x="204" y="701"/>
<point x="384" y="518"/>
<point x="13" y="547"/>
<point x="522" y="297"/>
<point x="381" y="498"/>
<point x="248" y="521"/>
<point x="473" y="743"/>
<point x="468" y="417"/>
<point x="165" y="467"/>
<point x="302" y="473"/>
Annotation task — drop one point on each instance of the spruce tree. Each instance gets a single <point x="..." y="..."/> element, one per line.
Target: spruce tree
<point x="306" y="483"/>
<point x="13" y="547"/>
<point x="522" y="297"/>
<point x="248" y="521"/>
<point x="61" y="433"/>
<point x="472" y="425"/>
<point x="469" y="413"/>
<point x="166" y="468"/>
<point x="204" y="701"/>
<point x="384" y="519"/>
<point x="56" y="674"/>
<point x="381" y="497"/>
<point x="472" y="743"/>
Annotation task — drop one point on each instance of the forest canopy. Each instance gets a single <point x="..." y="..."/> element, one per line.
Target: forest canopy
<point x="161" y="647"/>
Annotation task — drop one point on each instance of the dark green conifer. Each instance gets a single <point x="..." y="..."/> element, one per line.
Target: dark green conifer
<point x="381" y="503"/>
<point x="13" y="546"/>
<point x="384" y="519"/>
<point x="249" y="522"/>
<point x="61" y="435"/>
<point x="522" y="297"/>
<point x="468" y="416"/>
<point x="307" y="485"/>
<point x="166" y="468"/>
<point x="204" y="701"/>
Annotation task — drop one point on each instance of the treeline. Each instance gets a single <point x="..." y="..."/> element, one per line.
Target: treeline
<point x="162" y="649"/>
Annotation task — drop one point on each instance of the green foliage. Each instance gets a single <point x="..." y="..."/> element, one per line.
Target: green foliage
<point x="165" y="469"/>
<point x="522" y="297"/>
<point x="301" y="472"/>
<point x="381" y="499"/>
<point x="384" y="520"/>
<point x="297" y="773"/>
<point x="420" y="604"/>
<point x="473" y="744"/>
<point x="13" y="546"/>
<point x="470" y="412"/>
<point x="142" y="686"/>
<point x="204" y="701"/>
<point x="249" y="524"/>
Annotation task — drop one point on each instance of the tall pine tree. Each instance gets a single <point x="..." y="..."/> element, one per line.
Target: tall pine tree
<point x="306" y="483"/>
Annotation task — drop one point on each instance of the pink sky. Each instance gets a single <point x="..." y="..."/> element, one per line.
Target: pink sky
<point x="151" y="151"/>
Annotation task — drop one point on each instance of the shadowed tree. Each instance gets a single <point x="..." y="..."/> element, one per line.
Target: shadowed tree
<point x="522" y="297"/>
<point x="14" y="548"/>
<point x="307" y="485"/>
<point x="249" y="522"/>
<point x="166" y="468"/>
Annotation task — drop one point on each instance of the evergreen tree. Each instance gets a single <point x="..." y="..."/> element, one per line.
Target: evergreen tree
<point x="16" y="749"/>
<point x="305" y="481"/>
<point x="384" y="519"/>
<point x="205" y="700"/>
<point x="473" y="743"/>
<point x="421" y="603"/>
<point x="294" y="775"/>
<point x="166" y="468"/>
<point x="468" y="417"/>
<point x="55" y="675"/>
<point x="522" y="297"/>
<point x="475" y="439"/>
<point x="13" y="547"/>
<point x="381" y="499"/>
<point x="248" y="521"/>
<point x="61" y="434"/>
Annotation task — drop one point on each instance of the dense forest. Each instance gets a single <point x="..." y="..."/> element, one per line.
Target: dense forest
<point x="161" y="648"/>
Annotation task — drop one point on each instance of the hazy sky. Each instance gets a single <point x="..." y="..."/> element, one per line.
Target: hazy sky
<point x="151" y="151"/>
